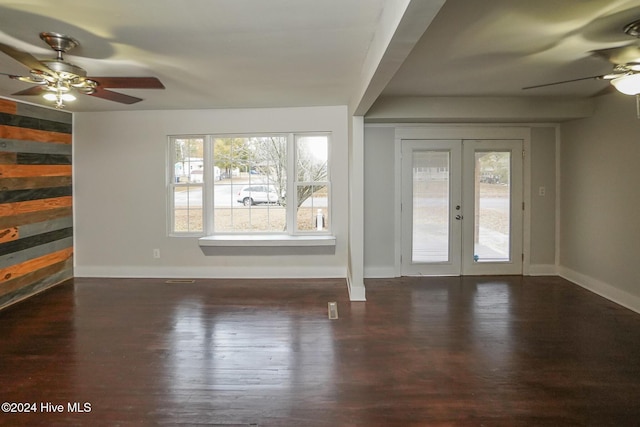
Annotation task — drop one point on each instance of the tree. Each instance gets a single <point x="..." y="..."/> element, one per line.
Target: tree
<point x="189" y="148"/>
<point x="230" y="153"/>
<point x="310" y="169"/>
<point x="187" y="151"/>
<point x="267" y="156"/>
<point x="271" y="161"/>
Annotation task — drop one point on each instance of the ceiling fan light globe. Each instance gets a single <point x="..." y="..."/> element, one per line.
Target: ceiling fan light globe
<point x="628" y="84"/>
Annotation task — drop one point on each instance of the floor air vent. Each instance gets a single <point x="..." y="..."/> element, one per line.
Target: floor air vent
<point x="333" y="310"/>
<point x="180" y="281"/>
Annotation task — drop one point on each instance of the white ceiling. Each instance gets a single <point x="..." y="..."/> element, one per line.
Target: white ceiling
<point x="256" y="53"/>
<point x="497" y="47"/>
<point x="208" y="53"/>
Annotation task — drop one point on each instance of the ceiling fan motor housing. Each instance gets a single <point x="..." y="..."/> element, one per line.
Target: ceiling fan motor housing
<point x="65" y="70"/>
<point x="59" y="42"/>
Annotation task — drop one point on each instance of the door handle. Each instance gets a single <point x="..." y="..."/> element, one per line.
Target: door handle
<point x="459" y="217"/>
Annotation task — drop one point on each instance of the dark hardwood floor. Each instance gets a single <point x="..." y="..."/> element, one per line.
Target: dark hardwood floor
<point x="492" y="351"/>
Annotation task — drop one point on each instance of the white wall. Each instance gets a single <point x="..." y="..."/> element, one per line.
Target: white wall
<point x="120" y="193"/>
<point x="379" y="194"/>
<point x="543" y="207"/>
<point x="600" y="201"/>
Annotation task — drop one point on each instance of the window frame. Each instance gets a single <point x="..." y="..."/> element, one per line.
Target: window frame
<point x="208" y="185"/>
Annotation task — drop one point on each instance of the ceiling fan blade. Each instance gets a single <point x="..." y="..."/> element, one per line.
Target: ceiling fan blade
<point x="26" y="59"/>
<point x="620" y="55"/>
<point x="114" y="96"/>
<point x="34" y="90"/>
<point x="128" y="82"/>
<point x="601" y="77"/>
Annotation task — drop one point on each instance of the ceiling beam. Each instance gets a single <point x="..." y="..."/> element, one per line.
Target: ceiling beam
<point x="401" y="25"/>
<point x="425" y="109"/>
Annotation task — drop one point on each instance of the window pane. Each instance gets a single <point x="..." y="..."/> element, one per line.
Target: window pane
<point x="313" y="212"/>
<point x="250" y="181"/>
<point x="312" y="153"/>
<point x="188" y="168"/>
<point x="187" y="212"/>
<point x="312" y="189"/>
<point x="492" y="207"/>
<point x="245" y="188"/>
<point x="430" y="207"/>
<point x="188" y="159"/>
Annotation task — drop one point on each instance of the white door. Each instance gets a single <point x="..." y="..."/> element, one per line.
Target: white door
<point x="461" y="207"/>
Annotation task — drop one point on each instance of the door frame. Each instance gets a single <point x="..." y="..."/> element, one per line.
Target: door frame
<point x="462" y="132"/>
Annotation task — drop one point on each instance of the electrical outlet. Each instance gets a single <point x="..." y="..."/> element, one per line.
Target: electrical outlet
<point x="542" y="191"/>
<point x="156" y="253"/>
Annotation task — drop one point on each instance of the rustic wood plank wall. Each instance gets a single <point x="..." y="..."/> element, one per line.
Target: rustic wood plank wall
<point x="36" y="214"/>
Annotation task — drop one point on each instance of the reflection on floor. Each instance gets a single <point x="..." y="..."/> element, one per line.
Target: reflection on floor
<point x="421" y="351"/>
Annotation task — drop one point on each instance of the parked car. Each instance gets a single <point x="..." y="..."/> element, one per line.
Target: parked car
<point x="256" y="194"/>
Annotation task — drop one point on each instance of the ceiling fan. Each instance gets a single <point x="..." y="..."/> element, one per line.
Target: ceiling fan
<point x="57" y="79"/>
<point x="625" y="76"/>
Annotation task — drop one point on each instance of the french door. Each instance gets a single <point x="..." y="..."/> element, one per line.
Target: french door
<point x="461" y="207"/>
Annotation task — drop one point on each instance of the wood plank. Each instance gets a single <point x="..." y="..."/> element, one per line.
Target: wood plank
<point x="44" y="113"/>
<point x="9" y="234"/>
<point x="43" y="159"/>
<point x="8" y="158"/>
<point x="32" y="289"/>
<point x="36" y="276"/>
<point x="10" y="196"/>
<point x="24" y="171"/>
<point x="14" y="258"/>
<point x="34" y="264"/>
<point x="18" y="146"/>
<point x="35" y="216"/>
<point x="32" y="182"/>
<point x="7" y="106"/>
<point x="12" y="132"/>
<point x="35" y="241"/>
<point x="19" y="208"/>
<point x="36" y="123"/>
<point x="27" y="230"/>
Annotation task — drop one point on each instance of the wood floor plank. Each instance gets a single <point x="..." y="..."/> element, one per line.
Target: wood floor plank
<point x="472" y="351"/>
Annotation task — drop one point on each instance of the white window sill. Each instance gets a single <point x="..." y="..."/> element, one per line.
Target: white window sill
<point x="266" y="240"/>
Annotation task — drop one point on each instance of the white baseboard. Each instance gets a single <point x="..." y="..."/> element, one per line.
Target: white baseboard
<point x="218" y="272"/>
<point x="379" y="272"/>
<point x="542" y="270"/>
<point x="357" y="292"/>
<point x="623" y="298"/>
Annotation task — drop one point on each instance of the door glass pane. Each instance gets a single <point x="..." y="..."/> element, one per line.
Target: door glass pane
<point x="492" y="206"/>
<point x="430" y="238"/>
